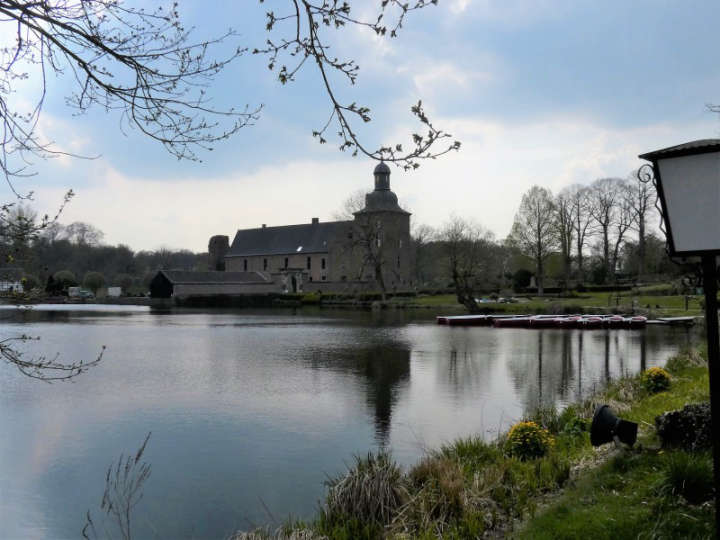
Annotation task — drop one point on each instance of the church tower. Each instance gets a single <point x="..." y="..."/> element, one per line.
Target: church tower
<point x="382" y="232"/>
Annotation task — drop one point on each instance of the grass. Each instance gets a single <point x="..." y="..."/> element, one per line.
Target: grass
<point x="657" y="305"/>
<point x="647" y="493"/>
<point x="472" y="487"/>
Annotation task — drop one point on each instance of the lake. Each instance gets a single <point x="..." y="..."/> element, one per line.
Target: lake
<point x="250" y="411"/>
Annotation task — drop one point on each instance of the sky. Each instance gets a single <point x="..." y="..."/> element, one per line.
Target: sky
<point x="538" y="92"/>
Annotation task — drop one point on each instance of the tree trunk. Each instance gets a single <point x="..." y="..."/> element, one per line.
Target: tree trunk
<point x="581" y="275"/>
<point x="606" y="254"/>
<point x="539" y="276"/>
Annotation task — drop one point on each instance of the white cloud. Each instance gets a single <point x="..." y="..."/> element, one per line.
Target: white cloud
<point x="145" y="213"/>
<point x="498" y="162"/>
<point x="444" y="78"/>
<point x="458" y="6"/>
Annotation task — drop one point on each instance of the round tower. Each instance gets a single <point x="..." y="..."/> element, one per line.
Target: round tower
<point x="217" y="249"/>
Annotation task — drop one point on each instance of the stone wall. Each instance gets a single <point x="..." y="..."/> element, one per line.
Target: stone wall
<point x="205" y="289"/>
<point x="319" y="264"/>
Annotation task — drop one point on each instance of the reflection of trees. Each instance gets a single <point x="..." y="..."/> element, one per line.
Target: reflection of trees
<point x="383" y="367"/>
<point x="472" y="357"/>
<point x="565" y="365"/>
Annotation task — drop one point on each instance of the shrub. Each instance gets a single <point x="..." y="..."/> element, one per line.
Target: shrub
<point x="689" y="475"/>
<point x="527" y="440"/>
<point x="370" y="492"/>
<point x="655" y="380"/>
<point x="441" y="484"/>
<point x="64" y="279"/>
<point x="93" y="281"/>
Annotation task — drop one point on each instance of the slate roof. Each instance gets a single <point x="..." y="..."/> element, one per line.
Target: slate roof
<point x="185" y="277"/>
<point x="693" y="147"/>
<point x="287" y="239"/>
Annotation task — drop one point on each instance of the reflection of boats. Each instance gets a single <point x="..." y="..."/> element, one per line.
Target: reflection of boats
<point x="557" y="321"/>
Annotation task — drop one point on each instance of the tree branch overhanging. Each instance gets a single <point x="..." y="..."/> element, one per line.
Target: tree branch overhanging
<point x="141" y="63"/>
<point x="306" y="40"/>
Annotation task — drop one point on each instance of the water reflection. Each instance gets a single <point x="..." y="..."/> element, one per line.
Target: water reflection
<point x="252" y="407"/>
<point x="384" y="368"/>
<point x="570" y="365"/>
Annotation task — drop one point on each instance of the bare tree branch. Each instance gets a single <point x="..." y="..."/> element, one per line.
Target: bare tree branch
<point x="307" y="40"/>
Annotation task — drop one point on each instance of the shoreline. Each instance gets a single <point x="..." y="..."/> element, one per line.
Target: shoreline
<point x="474" y="489"/>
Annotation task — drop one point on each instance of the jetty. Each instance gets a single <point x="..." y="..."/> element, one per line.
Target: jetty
<point x="582" y="321"/>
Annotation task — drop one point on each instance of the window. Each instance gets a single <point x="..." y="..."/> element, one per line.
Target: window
<point x="286" y="262"/>
<point x="309" y="260"/>
<point x="398" y="261"/>
<point x="324" y="278"/>
<point x="244" y="265"/>
<point x="264" y="264"/>
<point x="322" y="264"/>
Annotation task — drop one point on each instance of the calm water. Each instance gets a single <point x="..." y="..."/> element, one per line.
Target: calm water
<point x="249" y="411"/>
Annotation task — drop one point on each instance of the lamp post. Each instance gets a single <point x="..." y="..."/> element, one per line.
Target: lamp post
<point x="687" y="178"/>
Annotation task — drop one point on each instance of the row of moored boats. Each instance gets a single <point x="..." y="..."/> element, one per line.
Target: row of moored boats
<point x="546" y="321"/>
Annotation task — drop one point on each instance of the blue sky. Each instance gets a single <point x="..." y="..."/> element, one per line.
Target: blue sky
<point x="546" y="92"/>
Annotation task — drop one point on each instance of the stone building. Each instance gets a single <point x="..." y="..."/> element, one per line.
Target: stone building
<point x="370" y="252"/>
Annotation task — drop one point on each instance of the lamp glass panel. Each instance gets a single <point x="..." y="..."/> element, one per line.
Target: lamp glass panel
<point x="691" y="185"/>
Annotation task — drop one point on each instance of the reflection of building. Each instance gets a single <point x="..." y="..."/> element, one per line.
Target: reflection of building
<point x="383" y="368"/>
<point x="332" y="256"/>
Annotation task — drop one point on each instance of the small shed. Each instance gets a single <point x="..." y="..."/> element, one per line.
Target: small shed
<point x="183" y="284"/>
<point x="114" y="292"/>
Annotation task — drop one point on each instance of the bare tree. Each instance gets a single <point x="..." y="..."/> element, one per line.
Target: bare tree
<point x="579" y="195"/>
<point x="369" y="243"/>
<point x="354" y="203"/>
<point x="420" y="236"/>
<point x="565" y="220"/>
<point x="624" y="219"/>
<point x="604" y="196"/>
<point x="641" y="199"/>
<point x="84" y="234"/>
<point x="147" y="66"/>
<point x="469" y="254"/>
<point x="534" y="231"/>
<point x="141" y="63"/>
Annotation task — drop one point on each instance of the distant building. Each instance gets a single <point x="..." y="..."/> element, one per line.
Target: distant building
<point x="11" y="280"/>
<point x="331" y="256"/>
<point x="182" y="284"/>
<point x="114" y="292"/>
<point x="363" y="254"/>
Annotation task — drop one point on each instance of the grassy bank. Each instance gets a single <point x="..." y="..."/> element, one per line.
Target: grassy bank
<point x="472" y="488"/>
<point x="626" y="302"/>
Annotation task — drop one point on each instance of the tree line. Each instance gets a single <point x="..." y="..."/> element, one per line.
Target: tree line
<point x="598" y="234"/>
<point x="56" y="256"/>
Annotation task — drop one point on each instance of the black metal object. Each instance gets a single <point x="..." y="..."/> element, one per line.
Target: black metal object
<point x="708" y="263"/>
<point x="606" y="426"/>
<point x="692" y="148"/>
<point x="713" y="342"/>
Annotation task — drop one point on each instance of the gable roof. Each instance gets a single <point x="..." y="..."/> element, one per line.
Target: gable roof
<point x="288" y="239"/>
<point x="185" y="277"/>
